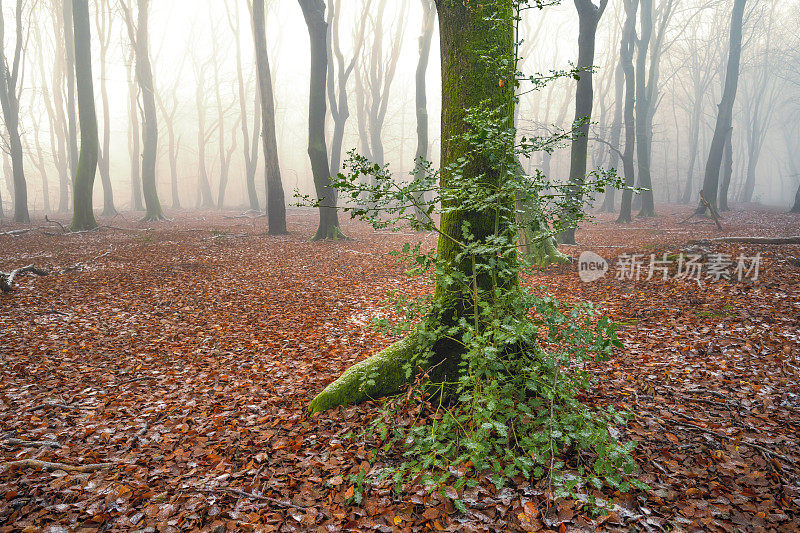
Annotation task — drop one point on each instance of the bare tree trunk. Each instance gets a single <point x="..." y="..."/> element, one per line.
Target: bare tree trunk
<point x="626" y="59"/>
<point x="588" y="18"/>
<point x="727" y="172"/>
<point x="421" y="155"/>
<point x="796" y="208"/>
<point x="174" y="142"/>
<point x="276" y="204"/>
<point x="225" y="154"/>
<point x="103" y="25"/>
<point x="9" y="100"/>
<point x="616" y="129"/>
<point x="337" y="85"/>
<point x="144" y="77"/>
<point x="250" y="149"/>
<point x="314" y="14"/>
<point x="643" y="109"/>
<point x="134" y="148"/>
<point x="69" y="48"/>
<point x="204" y="196"/>
<point x="37" y="158"/>
<point x="82" y="213"/>
<point x="725" y="115"/>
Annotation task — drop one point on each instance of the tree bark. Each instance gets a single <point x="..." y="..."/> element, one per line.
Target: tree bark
<point x="725" y="114"/>
<point x="796" y="208"/>
<point x="9" y="100"/>
<point x="626" y="59"/>
<point x="588" y="18"/>
<point x="249" y="144"/>
<point x="276" y="205"/>
<point x="82" y="213"/>
<point x="466" y="84"/>
<point x="314" y="14"/>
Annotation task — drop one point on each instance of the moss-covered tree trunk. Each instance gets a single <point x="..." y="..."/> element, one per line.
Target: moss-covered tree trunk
<point x="314" y="14"/>
<point x="466" y="31"/>
<point x="82" y="213"/>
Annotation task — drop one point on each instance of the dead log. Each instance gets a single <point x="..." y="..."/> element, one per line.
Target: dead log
<point x="15" y="233"/>
<point x="7" y="280"/>
<point x="52" y="467"/>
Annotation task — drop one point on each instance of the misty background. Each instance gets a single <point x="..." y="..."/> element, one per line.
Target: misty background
<point x="194" y="56"/>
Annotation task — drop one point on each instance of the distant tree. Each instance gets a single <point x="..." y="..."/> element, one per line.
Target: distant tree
<point x="69" y="56"/>
<point x="725" y="114"/>
<point x="609" y="201"/>
<point x="10" y="88"/>
<point x="276" y="204"/>
<point x="205" y="198"/>
<point x="727" y="172"/>
<point x="82" y="213"/>
<point x="225" y="150"/>
<point x="134" y="134"/>
<point x="421" y="94"/>
<point x="338" y="76"/>
<point x="139" y="35"/>
<point x="249" y="142"/>
<point x="314" y="14"/>
<point x="589" y="16"/>
<point x="168" y="111"/>
<point x="104" y="24"/>
<point x="626" y="59"/>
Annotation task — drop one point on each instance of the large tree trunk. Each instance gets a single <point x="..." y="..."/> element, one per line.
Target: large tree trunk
<point x="588" y="18"/>
<point x="9" y="100"/>
<point x="725" y="114"/>
<point x="103" y="25"/>
<point x="314" y="14"/>
<point x="82" y="213"/>
<point x="796" y="208"/>
<point x="466" y="83"/>
<point x="276" y="205"/>
<point x="626" y="58"/>
<point x="421" y="155"/>
<point x="694" y="134"/>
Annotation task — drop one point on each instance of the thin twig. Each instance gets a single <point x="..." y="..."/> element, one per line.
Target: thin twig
<point x="145" y="378"/>
<point x="251" y="496"/>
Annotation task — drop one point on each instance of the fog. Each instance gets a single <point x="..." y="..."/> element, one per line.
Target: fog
<point x="193" y="43"/>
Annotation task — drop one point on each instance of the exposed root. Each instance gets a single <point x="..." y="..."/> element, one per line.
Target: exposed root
<point x="7" y="280"/>
<point x="333" y="233"/>
<point x="381" y="375"/>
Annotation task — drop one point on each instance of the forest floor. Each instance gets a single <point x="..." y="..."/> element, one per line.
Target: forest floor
<point x="185" y="356"/>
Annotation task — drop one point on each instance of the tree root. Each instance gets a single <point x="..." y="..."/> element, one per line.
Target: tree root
<point x="333" y="233"/>
<point x="52" y="467"/>
<point x="380" y="375"/>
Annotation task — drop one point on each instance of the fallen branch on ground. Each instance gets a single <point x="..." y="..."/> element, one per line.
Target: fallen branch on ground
<point x="710" y="209"/>
<point x="145" y="378"/>
<point x="243" y="494"/>
<point x="52" y="467"/>
<point x="751" y="240"/>
<point x="32" y="443"/>
<point x="15" y="233"/>
<point x="7" y="280"/>
<point x="59" y="405"/>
